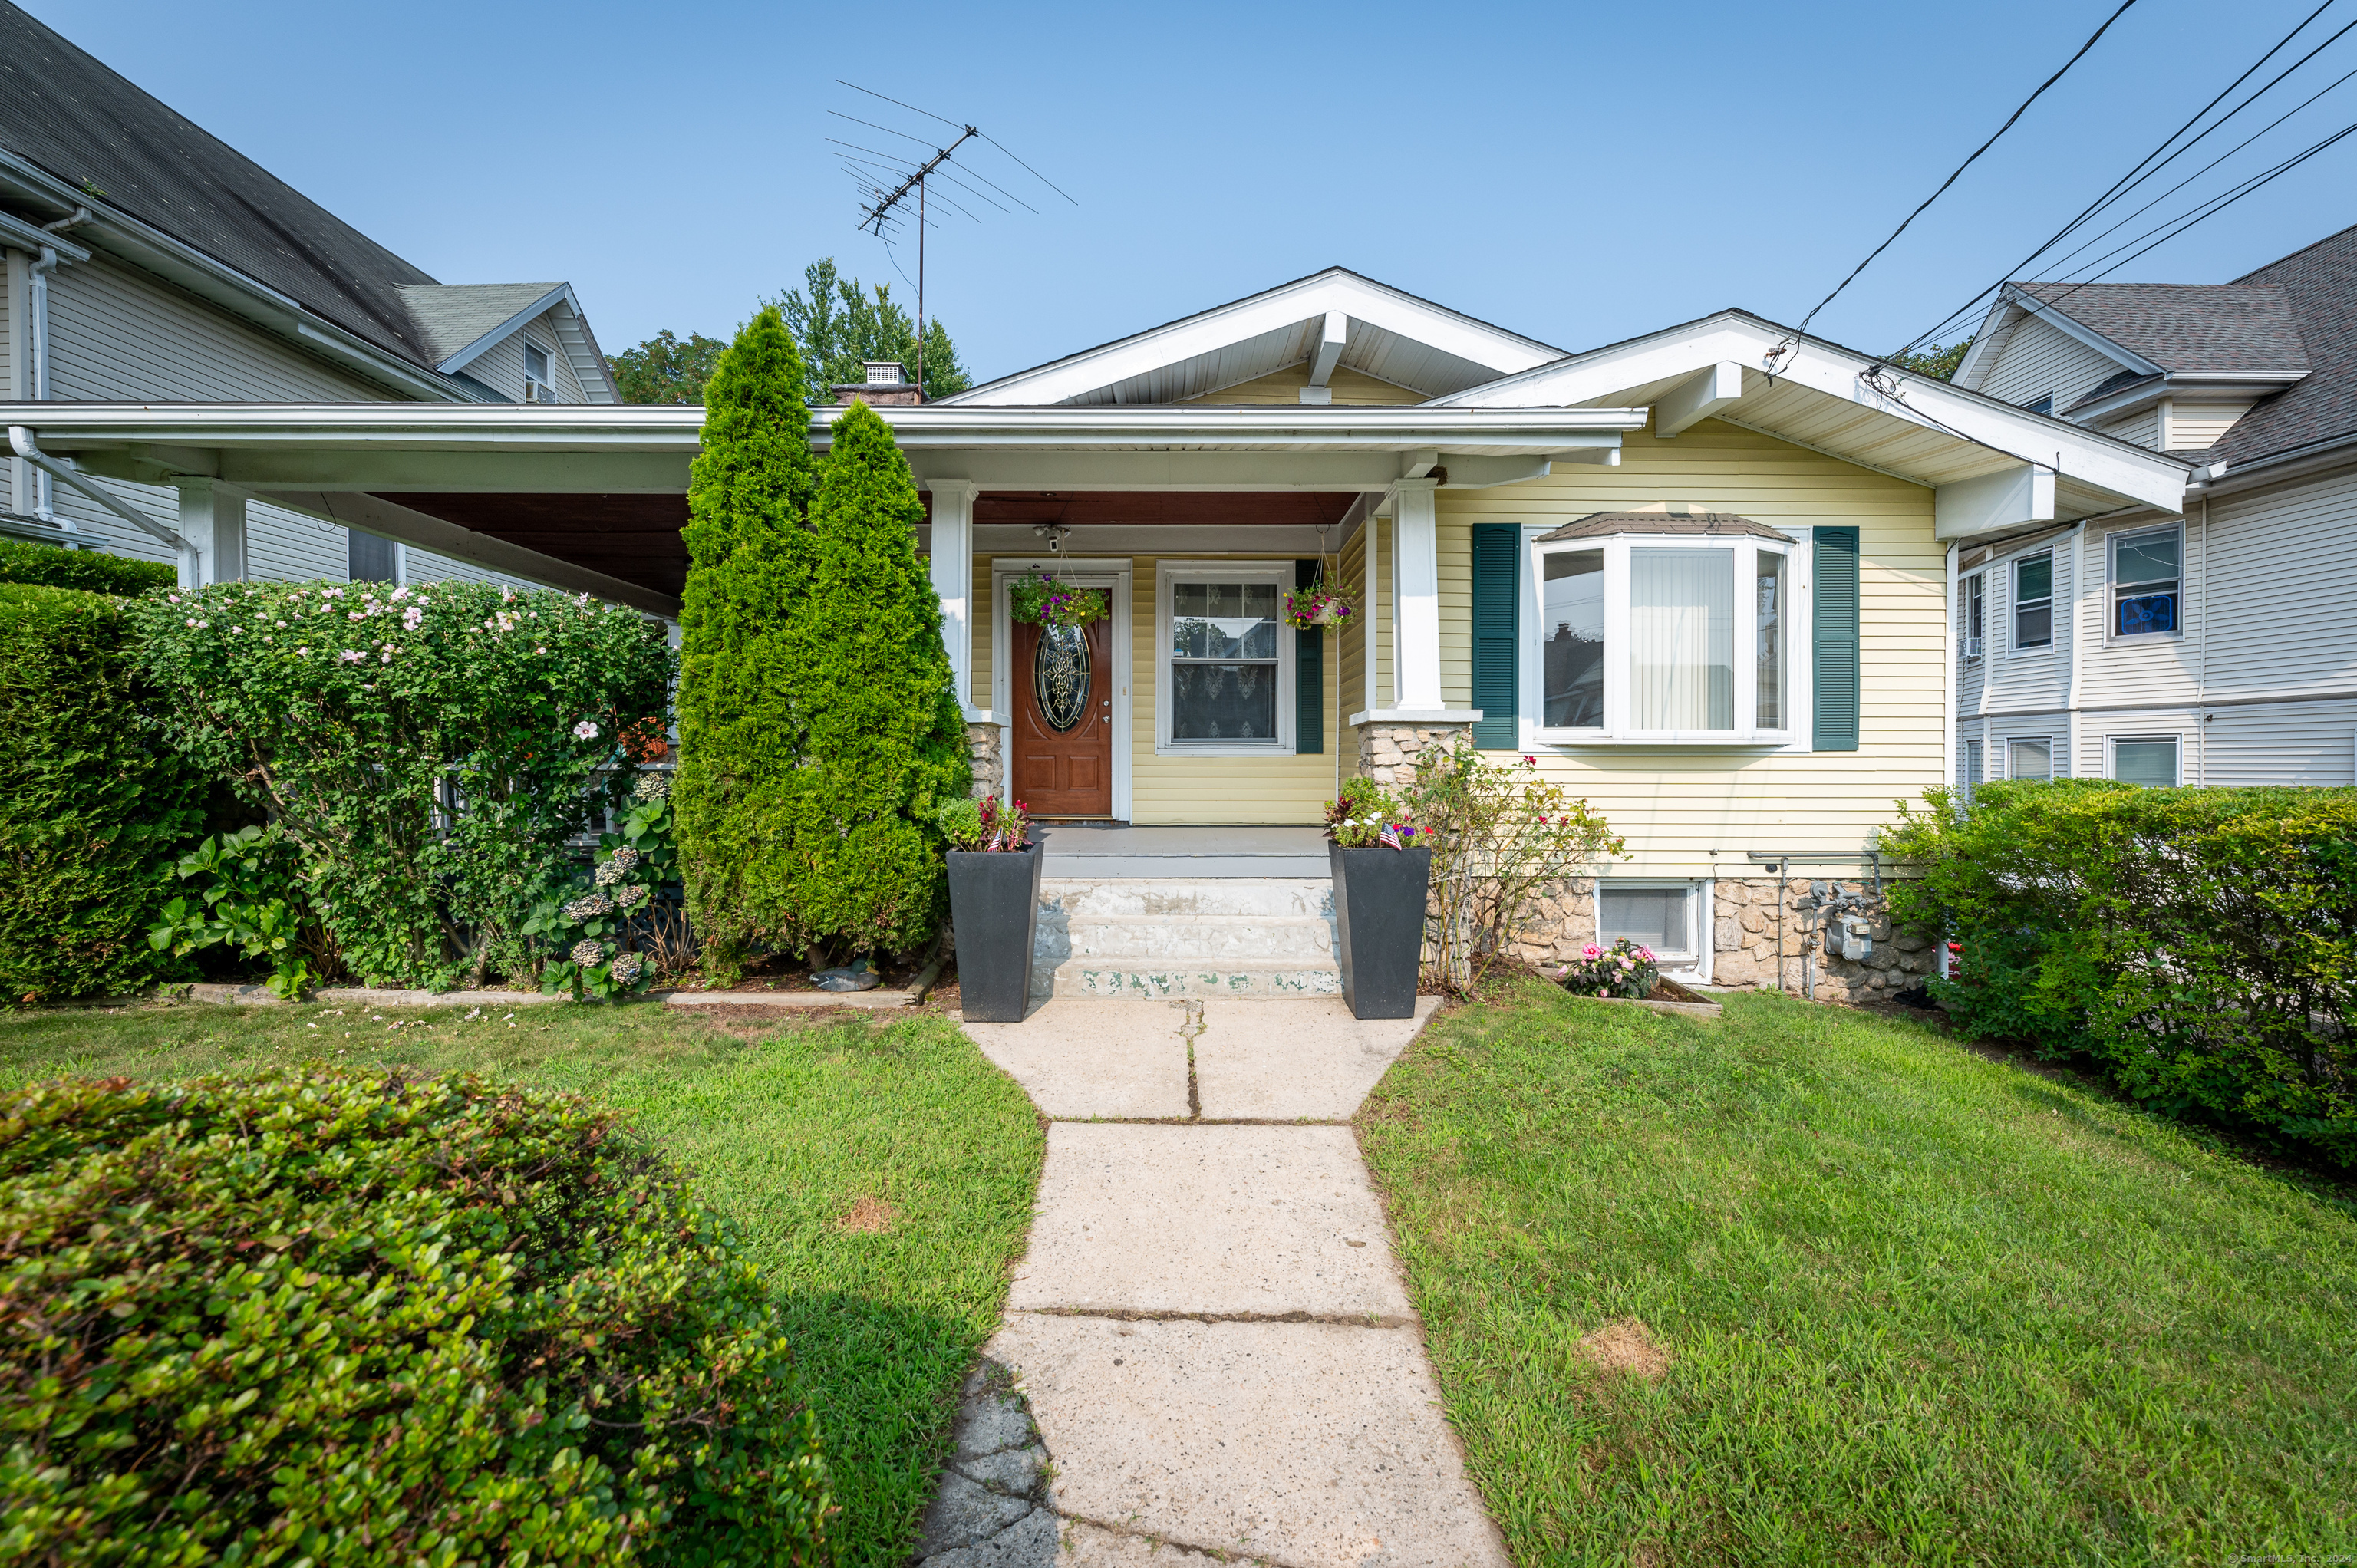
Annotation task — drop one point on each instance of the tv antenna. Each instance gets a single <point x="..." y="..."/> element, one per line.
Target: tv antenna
<point x="885" y="208"/>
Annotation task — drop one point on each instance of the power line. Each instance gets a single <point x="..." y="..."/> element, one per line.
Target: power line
<point x="1968" y="162"/>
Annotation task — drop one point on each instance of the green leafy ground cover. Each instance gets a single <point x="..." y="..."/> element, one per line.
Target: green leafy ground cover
<point x="882" y="1173"/>
<point x="1918" y="1305"/>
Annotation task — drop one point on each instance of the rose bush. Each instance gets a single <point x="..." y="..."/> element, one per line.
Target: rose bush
<point x="1626" y="969"/>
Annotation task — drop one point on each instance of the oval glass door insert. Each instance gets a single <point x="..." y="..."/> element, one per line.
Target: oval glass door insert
<point x="1059" y="676"/>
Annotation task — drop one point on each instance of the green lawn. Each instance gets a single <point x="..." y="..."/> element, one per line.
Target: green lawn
<point x="789" y="1128"/>
<point x="1919" y="1307"/>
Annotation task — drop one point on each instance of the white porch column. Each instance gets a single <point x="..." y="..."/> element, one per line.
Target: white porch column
<point x="952" y="564"/>
<point x="212" y="530"/>
<point x="1415" y="595"/>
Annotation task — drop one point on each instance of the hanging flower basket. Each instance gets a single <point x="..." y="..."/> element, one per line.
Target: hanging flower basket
<point x="1039" y="601"/>
<point x="1320" y="606"/>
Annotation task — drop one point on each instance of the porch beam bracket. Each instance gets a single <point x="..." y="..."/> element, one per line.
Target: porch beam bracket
<point x="1697" y="398"/>
<point x="2009" y="498"/>
<point x="1334" y="338"/>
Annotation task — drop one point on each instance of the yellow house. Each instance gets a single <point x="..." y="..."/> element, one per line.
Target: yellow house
<point x="1702" y="578"/>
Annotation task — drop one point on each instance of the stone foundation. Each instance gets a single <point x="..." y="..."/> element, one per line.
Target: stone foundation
<point x="1388" y="753"/>
<point x="982" y="744"/>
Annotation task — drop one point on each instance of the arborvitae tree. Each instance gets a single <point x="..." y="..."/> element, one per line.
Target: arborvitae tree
<point x="884" y="741"/>
<point x="750" y="554"/>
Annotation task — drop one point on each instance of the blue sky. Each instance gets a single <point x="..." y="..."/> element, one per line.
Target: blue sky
<point x="1578" y="173"/>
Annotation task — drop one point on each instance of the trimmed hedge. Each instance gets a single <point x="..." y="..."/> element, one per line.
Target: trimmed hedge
<point x="22" y="561"/>
<point x="2200" y="943"/>
<point x="324" y="1317"/>
<point x="97" y="806"/>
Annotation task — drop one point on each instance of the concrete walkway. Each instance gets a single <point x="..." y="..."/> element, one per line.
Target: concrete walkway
<point x="1207" y="1349"/>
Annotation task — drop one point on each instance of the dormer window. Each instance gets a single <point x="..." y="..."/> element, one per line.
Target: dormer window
<point x="2043" y="405"/>
<point x="537" y="386"/>
<point x="1680" y="634"/>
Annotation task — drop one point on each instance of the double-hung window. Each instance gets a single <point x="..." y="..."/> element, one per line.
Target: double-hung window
<point x="2149" y="760"/>
<point x="2145" y="579"/>
<point x="1678" y="635"/>
<point x="537" y="386"/>
<point x="1224" y="661"/>
<point x="2034" y="601"/>
<point x="1975" y="615"/>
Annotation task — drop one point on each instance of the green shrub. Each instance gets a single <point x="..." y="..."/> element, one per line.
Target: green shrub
<point x="93" y="571"/>
<point x="96" y="805"/>
<point x="322" y="1317"/>
<point x="243" y="892"/>
<point x="615" y="926"/>
<point x="430" y="750"/>
<point x="748" y="574"/>
<point x="2200" y="943"/>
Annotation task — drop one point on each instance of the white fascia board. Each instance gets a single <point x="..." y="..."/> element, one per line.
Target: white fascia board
<point x="560" y="295"/>
<point x="2148" y="392"/>
<point x="248" y="299"/>
<point x="2131" y="472"/>
<point x="1287" y="306"/>
<point x="32" y="236"/>
<point x="2063" y="322"/>
<point x="1985" y="344"/>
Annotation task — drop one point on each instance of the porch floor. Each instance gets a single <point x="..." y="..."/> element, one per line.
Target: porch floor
<point x="1183" y="852"/>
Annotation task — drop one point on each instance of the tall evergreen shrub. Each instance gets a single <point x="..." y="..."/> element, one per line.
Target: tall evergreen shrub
<point x="885" y="739"/>
<point x="750" y="559"/>
<point x="96" y="805"/>
<point x="22" y="561"/>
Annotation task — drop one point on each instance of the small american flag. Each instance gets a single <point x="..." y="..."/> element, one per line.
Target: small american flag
<point x="1390" y="837"/>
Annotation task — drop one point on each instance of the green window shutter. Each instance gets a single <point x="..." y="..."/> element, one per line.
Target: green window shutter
<point x="1497" y="635"/>
<point x="1309" y="677"/>
<point x="1834" y="656"/>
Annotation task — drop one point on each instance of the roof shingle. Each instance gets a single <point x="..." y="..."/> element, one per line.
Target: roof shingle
<point x="2188" y="329"/>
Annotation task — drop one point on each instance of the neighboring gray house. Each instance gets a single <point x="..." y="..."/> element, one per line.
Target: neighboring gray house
<point x="2215" y="644"/>
<point x="147" y="261"/>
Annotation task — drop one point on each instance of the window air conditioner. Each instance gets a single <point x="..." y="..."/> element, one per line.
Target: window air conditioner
<point x="1971" y="649"/>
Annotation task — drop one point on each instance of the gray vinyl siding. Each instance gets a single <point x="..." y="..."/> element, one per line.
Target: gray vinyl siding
<point x="543" y="331"/>
<point x="426" y="566"/>
<point x="2142" y="427"/>
<point x="2155" y="669"/>
<point x="500" y="366"/>
<point x="2036" y="359"/>
<point x="115" y="335"/>
<point x="2033" y="678"/>
<point x="2283" y="590"/>
<point x="2278" y="743"/>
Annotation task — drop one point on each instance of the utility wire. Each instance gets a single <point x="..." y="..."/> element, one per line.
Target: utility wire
<point x="1960" y="167"/>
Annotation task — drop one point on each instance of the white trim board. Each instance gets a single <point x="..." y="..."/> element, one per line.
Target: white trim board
<point x="1115" y="575"/>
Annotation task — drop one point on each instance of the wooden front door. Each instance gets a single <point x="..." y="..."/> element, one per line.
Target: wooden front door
<point x="1063" y="720"/>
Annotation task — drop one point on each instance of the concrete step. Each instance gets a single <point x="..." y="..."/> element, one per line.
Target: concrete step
<point x="1208" y="938"/>
<point x="1080" y="898"/>
<point x="1157" y="978"/>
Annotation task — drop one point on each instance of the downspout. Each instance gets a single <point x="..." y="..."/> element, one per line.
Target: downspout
<point x="22" y="441"/>
<point x="2201" y="664"/>
<point x="44" y="264"/>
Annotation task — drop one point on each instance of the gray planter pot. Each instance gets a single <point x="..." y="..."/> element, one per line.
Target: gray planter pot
<point x="1378" y="897"/>
<point x="995" y="910"/>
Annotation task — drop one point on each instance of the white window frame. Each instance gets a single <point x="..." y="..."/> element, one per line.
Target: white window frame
<point x="1976" y="610"/>
<point x="2112" y="585"/>
<point x="1798" y="634"/>
<point x="1693" y="963"/>
<point x="530" y="380"/>
<point x="2176" y="739"/>
<point x="2014" y="647"/>
<point x="1972" y="770"/>
<point x="2046" y="739"/>
<point x="2031" y="407"/>
<point x="1168" y="574"/>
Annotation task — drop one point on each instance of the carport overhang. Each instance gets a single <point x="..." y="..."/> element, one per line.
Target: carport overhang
<point x="591" y="498"/>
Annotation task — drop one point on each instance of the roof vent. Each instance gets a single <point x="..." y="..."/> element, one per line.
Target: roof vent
<point x="884" y="372"/>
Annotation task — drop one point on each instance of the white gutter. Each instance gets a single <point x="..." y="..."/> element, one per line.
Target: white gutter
<point x="47" y="255"/>
<point x="22" y="440"/>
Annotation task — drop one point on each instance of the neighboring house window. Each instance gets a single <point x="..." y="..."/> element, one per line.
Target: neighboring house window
<point x="2043" y="405"/>
<point x="368" y="559"/>
<point x="2147" y="760"/>
<point x="1975" y="616"/>
<point x="2030" y="759"/>
<point x="537" y="387"/>
<point x="2034" y="601"/>
<point x="1972" y="766"/>
<point x="1660" y="916"/>
<point x="1225" y="664"/>
<point x="1667" y="636"/>
<point x="2146" y="582"/>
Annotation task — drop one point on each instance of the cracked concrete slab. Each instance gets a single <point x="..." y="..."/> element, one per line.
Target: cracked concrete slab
<point x="1318" y="1445"/>
<point x="1087" y="1546"/>
<point x="1206" y="1218"/>
<point x="1295" y="1060"/>
<point x="1082" y="1059"/>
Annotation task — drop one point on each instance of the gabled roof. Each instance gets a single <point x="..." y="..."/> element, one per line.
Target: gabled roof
<point x="1392" y="335"/>
<point x="457" y="322"/>
<point x="2319" y="283"/>
<point x="2188" y="330"/>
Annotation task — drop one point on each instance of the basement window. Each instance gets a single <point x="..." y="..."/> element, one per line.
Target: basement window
<point x="2030" y="759"/>
<point x="1658" y="915"/>
<point x="2148" y="760"/>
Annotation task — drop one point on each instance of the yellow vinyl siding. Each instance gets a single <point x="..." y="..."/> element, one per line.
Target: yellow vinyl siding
<point x="980" y="606"/>
<point x="1351" y="389"/>
<point x="1675" y="806"/>
<point x="2193" y="427"/>
<point x="1350" y="647"/>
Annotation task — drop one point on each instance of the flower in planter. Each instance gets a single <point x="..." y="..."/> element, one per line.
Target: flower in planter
<point x="1039" y="600"/>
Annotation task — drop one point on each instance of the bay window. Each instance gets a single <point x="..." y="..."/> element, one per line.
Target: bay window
<point x="1678" y="635"/>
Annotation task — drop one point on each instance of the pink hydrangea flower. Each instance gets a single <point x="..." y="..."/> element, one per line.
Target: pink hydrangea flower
<point x="1590" y="950"/>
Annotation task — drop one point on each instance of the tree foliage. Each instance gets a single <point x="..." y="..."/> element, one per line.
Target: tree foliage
<point x="332" y="1318"/>
<point x="1939" y="362"/>
<point x="98" y="801"/>
<point x="839" y="323"/>
<point x="430" y="750"/>
<point x="665" y="370"/>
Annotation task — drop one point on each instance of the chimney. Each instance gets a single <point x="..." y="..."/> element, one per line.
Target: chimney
<point x="886" y="386"/>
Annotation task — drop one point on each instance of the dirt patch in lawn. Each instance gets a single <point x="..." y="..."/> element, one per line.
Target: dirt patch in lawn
<point x="1626" y="1346"/>
<point x="868" y="1216"/>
